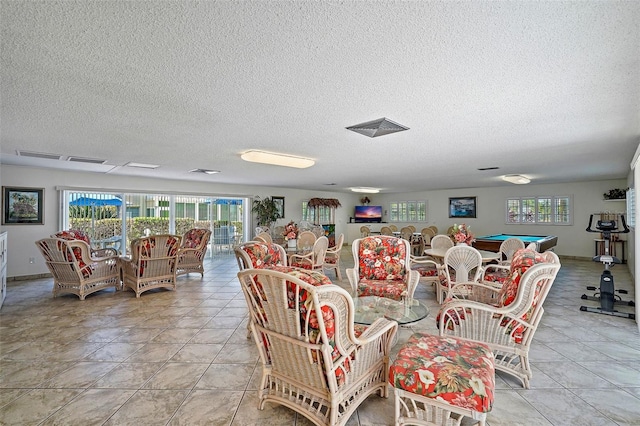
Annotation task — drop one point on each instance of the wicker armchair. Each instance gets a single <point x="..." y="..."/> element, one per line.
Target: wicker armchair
<point x="306" y="239"/>
<point x="313" y="359"/>
<point x="74" y="270"/>
<point x="313" y="260"/>
<point x="264" y="237"/>
<point x="332" y="259"/>
<point x="192" y="251"/>
<point x="76" y="234"/>
<point x="507" y="324"/>
<point x="153" y="263"/>
<point x="382" y="268"/>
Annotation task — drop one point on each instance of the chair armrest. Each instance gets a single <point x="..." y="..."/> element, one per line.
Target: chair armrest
<point x="412" y="282"/>
<point x="353" y="280"/>
<point x="302" y="257"/>
<point x="482" y="292"/>
<point x="375" y="331"/>
<point x="105" y="252"/>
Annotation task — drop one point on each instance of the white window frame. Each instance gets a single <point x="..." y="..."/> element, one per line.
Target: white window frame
<point x="534" y="209"/>
<point x="408" y="211"/>
<point x="317" y="215"/>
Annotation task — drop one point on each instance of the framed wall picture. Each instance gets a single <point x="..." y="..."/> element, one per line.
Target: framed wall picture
<point x="22" y="206"/>
<point x="462" y="207"/>
<point x="280" y="203"/>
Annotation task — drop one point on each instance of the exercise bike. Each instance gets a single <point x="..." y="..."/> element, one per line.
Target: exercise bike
<point x="606" y="293"/>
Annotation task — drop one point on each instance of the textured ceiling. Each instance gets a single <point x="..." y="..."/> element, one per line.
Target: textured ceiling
<point x="550" y="90"/>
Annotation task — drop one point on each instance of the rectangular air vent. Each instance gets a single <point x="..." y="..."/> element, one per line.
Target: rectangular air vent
<point x="86" y="160"/>
<point x="39" y="155"/>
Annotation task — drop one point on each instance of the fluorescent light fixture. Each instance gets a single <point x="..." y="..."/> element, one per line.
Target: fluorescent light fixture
<point x="516" y="179"/>
<point x="366" y="190"/>
<point x="275" y="159"/>
<point x="142" y="165"/>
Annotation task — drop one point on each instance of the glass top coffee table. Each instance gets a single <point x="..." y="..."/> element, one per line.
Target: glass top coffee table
<point x="370" y="308"/>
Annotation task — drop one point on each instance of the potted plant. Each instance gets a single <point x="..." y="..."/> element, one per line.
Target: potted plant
<point x="266" y="211"/>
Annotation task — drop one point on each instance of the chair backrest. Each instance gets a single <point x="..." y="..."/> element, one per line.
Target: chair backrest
<point x="522" y="261"/>
<point x="434" y="228"/>
<point x="382" y="258"/>
<point x="365" y="231"/>
<point x="156" y="254"/>
<point x="258" y="254"/>
<point x="338" y="246"/>
<point x="295" y="315"/>
<point x="462" y="263"/>
<point x="306" y="239"/>
<point x="73" y="234"/>
<point x="196" y="238"/>
<point x="320" y="251"/>
<point x="406" y="233"/>
<point x="427" y="231"/>
<point x="509" y="247"/>
<point x="413" y="228"/>
<point x="393" y="228"/>
<point x="67" y="260"/>
<point x="264" y="237"/>
<point x="441" y="242"/>
<point x="385" y="230"/>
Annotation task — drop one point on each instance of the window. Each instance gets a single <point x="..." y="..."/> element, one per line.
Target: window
<point x="320" y="215"/>
<point x="547" y="210"/>
<point x="408" y="211"/>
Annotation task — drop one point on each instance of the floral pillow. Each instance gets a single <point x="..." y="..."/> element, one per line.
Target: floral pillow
<point x="382" y="258"/>
<point x="522" y="260"/>
<point x="263" y="255"/>
<point x="193" y="238"/>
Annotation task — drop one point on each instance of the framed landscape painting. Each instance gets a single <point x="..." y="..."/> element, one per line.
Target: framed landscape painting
<point x="462" y="207"/>
<point x="22" y="206"/>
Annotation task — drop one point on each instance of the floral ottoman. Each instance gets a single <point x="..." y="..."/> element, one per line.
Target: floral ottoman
<point x="439" y="380"/>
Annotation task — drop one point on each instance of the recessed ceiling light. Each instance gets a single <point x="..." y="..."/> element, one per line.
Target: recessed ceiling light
<point x="142" y="165"/>
<point x="366" y="190"/>
<point x="380" y="127"/>
<point x="205" y="171"/>
<point x="275" y="159"/>
<point x="516" y="179"/>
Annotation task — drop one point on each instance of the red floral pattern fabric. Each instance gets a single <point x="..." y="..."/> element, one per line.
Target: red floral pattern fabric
<point x="263" y="255"/>
<point x="382" y="266"/>
<point x="76" y="234"/>
<point x="193" y="238"/>
<point x="456" y="371"/>
<point x="522" y="260"/>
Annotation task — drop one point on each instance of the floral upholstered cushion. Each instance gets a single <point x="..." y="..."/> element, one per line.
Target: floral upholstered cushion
<point x="382" y="258"/>
<point x="382" y="267"/>
<point x="193" y="238"/>
<point x="456" y="371"/>
<point x="522" y="260"/>
<point x="74" y="234"/>
<point x="263" y="255"/>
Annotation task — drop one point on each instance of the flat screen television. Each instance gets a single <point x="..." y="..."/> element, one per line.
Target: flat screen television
<point x="368" y="214"/>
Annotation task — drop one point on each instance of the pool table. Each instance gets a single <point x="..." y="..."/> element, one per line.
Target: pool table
<point x="492" y="242"/>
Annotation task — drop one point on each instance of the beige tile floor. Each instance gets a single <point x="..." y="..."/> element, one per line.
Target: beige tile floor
<point x="183" y="358"/>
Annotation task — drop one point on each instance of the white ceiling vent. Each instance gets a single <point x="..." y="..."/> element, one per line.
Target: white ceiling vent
<point x="39" y="155"/>
<point x="379" y="127"/>
<point x="86" y="160"/>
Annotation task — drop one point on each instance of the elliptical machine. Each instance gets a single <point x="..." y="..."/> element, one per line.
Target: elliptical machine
<point x="606" y="293"/>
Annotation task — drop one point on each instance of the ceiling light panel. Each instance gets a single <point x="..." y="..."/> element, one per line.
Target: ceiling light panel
<point x="516" y="179"/>
<point x="379" y="127"/>
<point x="276" y="159"/>
<point x="142" y="165"/>
<point x="365" y="190"/>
